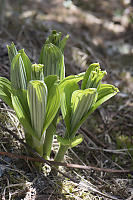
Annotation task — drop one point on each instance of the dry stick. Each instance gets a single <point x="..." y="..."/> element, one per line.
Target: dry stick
<point x="112" y="151"/>
<point x="65" y="164"/>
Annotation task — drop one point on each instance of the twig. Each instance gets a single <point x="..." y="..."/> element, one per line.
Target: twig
<point x="76" y="166"/>
<point x="113" y="151"/>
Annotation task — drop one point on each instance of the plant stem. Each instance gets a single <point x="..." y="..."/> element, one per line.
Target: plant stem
<point x="37" y="146"/>
<point x="48" y="142"/>
<point x="61" y="152"/>
<point x="51" y="130"/>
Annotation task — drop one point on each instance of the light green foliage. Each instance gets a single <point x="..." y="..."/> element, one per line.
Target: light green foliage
<point x="77" y="104"/>
<point x="18" y="73"/>
<point x="27" y="64"/>
<point x="12" y="51"/>
<point x="69" y="88"/>
<point x="70" y="142"/>
<point x="53" y="102"/>
<point x="34" y="100"/>
<point x="105" y="92"/>
<point x="5" y="91"/>
<point x="53" y="60"/>
<point x="37" y="102"/>
<point x="52" y="55"/>
<point x="22" y="115"/>
<point x="20" y="68"/>
<point x="37" y="91"/>
<point x="37" y="72"/>
<point x="81" y="102"/>
<point x="56" y="39"/>
<point x="93" y="76"/>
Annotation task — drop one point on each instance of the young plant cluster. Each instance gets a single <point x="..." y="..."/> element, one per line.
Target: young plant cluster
<point x="37" y="92"/>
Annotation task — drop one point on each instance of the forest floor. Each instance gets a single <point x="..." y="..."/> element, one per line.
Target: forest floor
<point x="100" y="31"/>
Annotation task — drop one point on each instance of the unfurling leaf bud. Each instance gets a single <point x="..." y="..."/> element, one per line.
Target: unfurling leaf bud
<point x="37" y="72"/>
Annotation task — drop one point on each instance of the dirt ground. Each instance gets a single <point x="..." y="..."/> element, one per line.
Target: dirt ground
<point x="100" y="31"/>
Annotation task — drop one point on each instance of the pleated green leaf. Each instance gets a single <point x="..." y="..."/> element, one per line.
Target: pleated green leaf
<point x="53" y="60"/>
<point x="63" y="141"/>
<point x="76" y="140"/>
<point x="71" y="78"/>
<point x="37" y="101"/>
<point x="81" y="103"/>
<point x="53" y="104"/>
<point x="66" y="94"/>
<point x="18" y="73"/>
<point x="12" y="51"/>
<point x="70" y="142"/>
<point x="22" y="96"/>
<point x="105" y="92"/>
<point x="50" y="81"/>
<point x="56" y="39"/>
<point x="27" y="64"/>
<point x="93" y="76"/>
<point x="5" y="91"/>
<point x="22" y="116"/>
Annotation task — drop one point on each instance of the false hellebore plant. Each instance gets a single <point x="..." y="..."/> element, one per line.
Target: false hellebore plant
<point x="34" y="94"/>
<point x="78" y="103"/>
<point x="37" y="91"/>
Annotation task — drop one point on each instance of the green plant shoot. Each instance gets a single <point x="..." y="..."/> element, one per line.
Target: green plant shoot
<point x="77" y="104"/>
<point x="34" y="98"/>
<point x="37" y="91"/>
